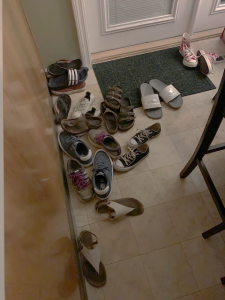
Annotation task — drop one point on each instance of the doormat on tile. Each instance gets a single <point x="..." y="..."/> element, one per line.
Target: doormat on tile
<point x="165" y="65"/>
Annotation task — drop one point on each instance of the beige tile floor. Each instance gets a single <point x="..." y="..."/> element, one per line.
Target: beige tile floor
<point x="161" y="255"/>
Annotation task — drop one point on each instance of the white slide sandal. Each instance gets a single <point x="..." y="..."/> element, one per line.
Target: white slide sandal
<point x="150" y="102"/>
<point x="170" y="95"/>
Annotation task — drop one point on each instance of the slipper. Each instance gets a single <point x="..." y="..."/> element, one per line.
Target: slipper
<point x="81" y="125"/>
<point x="93" y="268"/>
<point x="73" y="77"/>
<point x="150" y="102"/>
<point x="60" y="67"/>
<point x="110" y="118"/>
<point x="117" y="208"/>
<point x="170" y="95"/>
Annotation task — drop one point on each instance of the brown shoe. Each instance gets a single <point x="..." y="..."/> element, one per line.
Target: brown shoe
<point x="81" y="125"/>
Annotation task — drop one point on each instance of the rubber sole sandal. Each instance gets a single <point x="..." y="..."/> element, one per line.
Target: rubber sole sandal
<point x="110" y="119"/>
<point x="117" y="208"/>
<point x="81" y="125"/>
<point x="60" y="67"/>
<point x="126" y="118"/>
<point x="168" y="93"/>
<point x="71" y="78"/>
<point x="70" y="90"/>
<point x="93" y="269"/>
<point x="150" y="102"/>
<point x="142" y="136"/>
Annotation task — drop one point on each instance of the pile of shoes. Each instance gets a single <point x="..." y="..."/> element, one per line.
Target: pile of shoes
<point x="66" y="77"/>
<point x="205" y="59"/>
<point x="117" y="111"/>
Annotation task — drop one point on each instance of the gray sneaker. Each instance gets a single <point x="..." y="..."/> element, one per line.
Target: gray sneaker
<point x="103" y="174"/>
<point x="80" y="179"/>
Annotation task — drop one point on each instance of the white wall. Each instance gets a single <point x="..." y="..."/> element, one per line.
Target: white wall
<point x="205" y="20"/>
<point x="98" y="42"/>
<point x="53" y="27"/>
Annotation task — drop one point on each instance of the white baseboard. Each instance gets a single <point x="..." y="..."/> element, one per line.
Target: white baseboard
<point x="151" y="46"/>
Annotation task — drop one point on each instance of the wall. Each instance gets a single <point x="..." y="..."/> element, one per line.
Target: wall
<point x="39" y="257"/>
<point x="207" y="21"/>
<point x="53" y="27"/>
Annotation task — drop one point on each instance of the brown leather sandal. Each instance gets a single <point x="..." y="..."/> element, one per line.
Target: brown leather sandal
<point x="126" y="118"/>
<point x="81" y="125"/>
<point x="114" y="97"/>
<point x="110" y="118"/>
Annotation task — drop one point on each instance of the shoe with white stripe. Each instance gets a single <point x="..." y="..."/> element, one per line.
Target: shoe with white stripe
<point x="84" y="105"/>
<point x="187" y="51"/>
<point x="75" y="148"/>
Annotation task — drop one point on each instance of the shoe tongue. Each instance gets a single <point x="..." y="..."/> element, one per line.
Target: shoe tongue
<point x="100" y="173"/>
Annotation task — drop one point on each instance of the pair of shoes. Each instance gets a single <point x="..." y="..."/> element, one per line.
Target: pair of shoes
<point x="117" y="111"/>
<point x="100" y="185"/>
<point x="61" y="108"/>
<point x="138" y="150"/>
<point x="205" y="59"/>
<point x="67" y="77"/>
<point x="151" y="101"/>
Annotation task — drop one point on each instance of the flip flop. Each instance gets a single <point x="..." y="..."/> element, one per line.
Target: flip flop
<point x="93" y="268"/>
<point x="71" y="78"/>
<point x="60" y="67"/>
<point x="170" y="95"/>
<point x="150" y="102"/>
<point x="117" y="208"/>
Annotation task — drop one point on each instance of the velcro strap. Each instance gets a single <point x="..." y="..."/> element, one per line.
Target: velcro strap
<point x="169" y="93"/>
<point x="150" y="101"/>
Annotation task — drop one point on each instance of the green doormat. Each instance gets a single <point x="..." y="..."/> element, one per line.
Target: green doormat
<point x="165" y="65"/>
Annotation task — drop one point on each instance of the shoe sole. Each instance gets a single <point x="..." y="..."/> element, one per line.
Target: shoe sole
<point x="98" y="196"/>
<point x="134" y="146"/>
<point x="57" y="93"/>
<point x="100" y="147"/>
<point x="204" y="63"/>
<point x="85" y="165"/>
<point x="129" y="168"/>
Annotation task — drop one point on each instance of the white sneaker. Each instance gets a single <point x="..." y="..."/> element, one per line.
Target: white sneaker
<point x="206" y="61"/>
<point x="84" y="105"/>
<point x="187" y="51"/>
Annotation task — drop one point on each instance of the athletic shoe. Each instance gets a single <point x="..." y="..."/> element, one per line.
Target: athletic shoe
<point x="84" y="105"/>
<point x="94" y="112"/>
<point x="187" y="51"/>
<point x="129" y="160"/>
<point x="141" y="137"/>
<point x="223" y="36"/>
<point x="101" y="139"/>
<point x="80" y="179"/>
<point x="75" y="148"/>
<point x="103" y="175"/>
<point x="61" y="108"/>
<point x="206" y="61"/>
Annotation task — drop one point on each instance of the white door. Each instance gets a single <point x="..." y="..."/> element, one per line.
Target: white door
<point x="115" y="24"/>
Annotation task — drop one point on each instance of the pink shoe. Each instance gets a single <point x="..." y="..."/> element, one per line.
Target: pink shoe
<point x="186" y="50"/>
<point x="223" y="36"/>
<point x="206" y="61"/>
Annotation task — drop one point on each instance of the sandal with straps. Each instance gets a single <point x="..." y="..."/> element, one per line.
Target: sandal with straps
<point x="71" y="78"/>
<point x="114" y="97"/>
<point x="81" y="125"/>
<point x="110" y="118"/>
<point x="126" y="118"/>
<point x="114" y="209"/>
<point x="93" y="269"/>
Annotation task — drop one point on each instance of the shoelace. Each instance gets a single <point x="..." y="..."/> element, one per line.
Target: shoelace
<point x="189" y="55"/>
<point x="80" y="180"/>
<point x="130" y="156"/>
<point x="82" y="104"/>
<point x="144" y="134"/>
<point x="100" y="136"/>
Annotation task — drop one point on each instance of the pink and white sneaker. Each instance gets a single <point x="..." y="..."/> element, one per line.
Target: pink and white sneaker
<point x="206" y="61"/>
<point x="223" y="36"/>
<point x="187" y="51"/>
